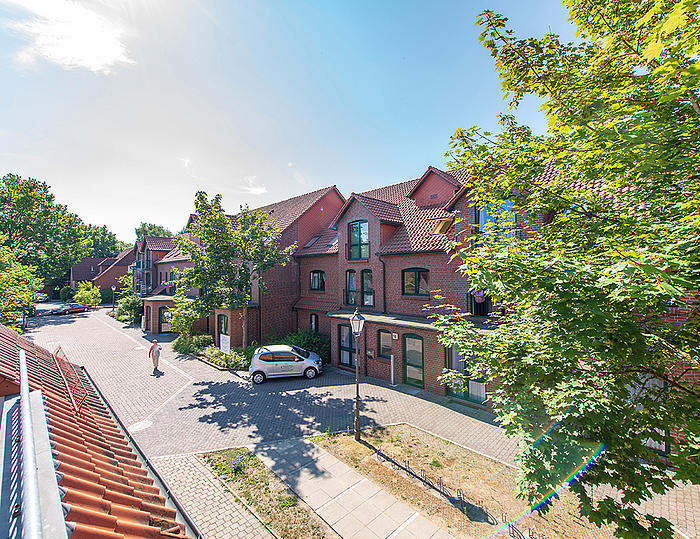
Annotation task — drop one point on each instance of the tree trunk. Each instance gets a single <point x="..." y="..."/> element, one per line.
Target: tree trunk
<point x="244" y="327"/>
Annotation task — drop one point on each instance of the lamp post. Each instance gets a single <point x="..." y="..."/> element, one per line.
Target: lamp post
<point x="113" y="289"/>
<point x="357" y="322"/>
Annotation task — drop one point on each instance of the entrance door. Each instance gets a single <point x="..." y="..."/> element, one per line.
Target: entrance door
<point x="475" y="389"/>
<point x="164" y="315"/>
<point x="147" y="320"/>
<point x="413" y="360"/>
<point x="346" y="346"/>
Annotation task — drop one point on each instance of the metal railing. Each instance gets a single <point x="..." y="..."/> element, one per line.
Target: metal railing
<point x="31" y="510"/>
<point x="77" y="392"/>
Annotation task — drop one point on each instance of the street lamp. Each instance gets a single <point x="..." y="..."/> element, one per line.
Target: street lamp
<point x="113" y="289"/>
<point x="357" y="322"/>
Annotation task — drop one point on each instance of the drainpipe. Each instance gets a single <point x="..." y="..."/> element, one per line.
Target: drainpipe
<point x="383" y="283"/>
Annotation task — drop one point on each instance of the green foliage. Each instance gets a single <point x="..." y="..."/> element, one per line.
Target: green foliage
<point x="227" y="260"/>
<point x="19" y="286"/>
<point x="106" y="296"/>
<point x="104" y="242"/>
<point x="311" y="341"/>
<point x="237" y="359"/>
<point x="67" y="294"/>
<point x="88" y="293"/>
<point x="149" y="229"/>
<point x="130" y="308"/>
<point x="40" y="232"/>
<point x="192" y="344"/>
<point x="590" y="291"/>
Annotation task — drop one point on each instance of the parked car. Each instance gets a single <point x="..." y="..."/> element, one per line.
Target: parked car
<point x="282" y="360"/>
<point x="72" y="308"/>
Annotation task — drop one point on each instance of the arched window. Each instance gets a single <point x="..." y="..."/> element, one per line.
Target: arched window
<point x="314" y="322"/>
<point x="318" y="280"/>
<point x="367" y="289"/>
<point x="350" y="287"/>
<point x="415" y="282"/>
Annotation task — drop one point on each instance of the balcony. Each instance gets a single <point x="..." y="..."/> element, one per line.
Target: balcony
<point x="357" y="251"/>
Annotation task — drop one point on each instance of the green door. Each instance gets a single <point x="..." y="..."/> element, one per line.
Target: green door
<point x="413" y="360"/>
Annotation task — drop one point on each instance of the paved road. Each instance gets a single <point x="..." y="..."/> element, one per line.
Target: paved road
<point x="194" y="408"/>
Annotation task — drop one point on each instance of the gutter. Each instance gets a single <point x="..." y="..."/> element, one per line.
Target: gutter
<point x="192" y="530"/>
<point x="383" y="283"/>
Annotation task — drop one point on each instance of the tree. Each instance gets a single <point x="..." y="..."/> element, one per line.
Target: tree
<point x="149" y="229"/>
<point x="40" y="232"/>
<point x="19" y="286"/>
<point x="88" y="293"/>
<point x="615" y="179"/>
<point x="104" y="242"/>
<point x="130" y="306"/>
<point x="228" y="260"/>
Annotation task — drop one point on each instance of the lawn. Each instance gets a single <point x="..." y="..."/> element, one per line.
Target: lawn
<point x="482" y="480"/>
<point x="276" y="505"/>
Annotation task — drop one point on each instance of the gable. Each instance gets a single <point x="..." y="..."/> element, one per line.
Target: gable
<point x="433" y="190"/>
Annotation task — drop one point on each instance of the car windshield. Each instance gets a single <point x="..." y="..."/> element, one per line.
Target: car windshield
<point x="301" y="352"/>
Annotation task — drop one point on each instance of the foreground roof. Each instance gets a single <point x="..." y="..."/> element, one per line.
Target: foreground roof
<point x="105" y="491"/>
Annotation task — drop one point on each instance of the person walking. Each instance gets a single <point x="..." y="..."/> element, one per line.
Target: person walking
<point x="154" y="354"/>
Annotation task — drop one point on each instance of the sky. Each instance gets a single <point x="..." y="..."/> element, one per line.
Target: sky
<point x="127" y="108"/>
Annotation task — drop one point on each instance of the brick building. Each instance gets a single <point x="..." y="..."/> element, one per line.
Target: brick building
<point x="386" y="254"/>
<point x="113" y="268"/>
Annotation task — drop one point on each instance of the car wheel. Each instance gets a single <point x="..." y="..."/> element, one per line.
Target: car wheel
<point x="258" y="377"/>
<point x="310" y="373"/>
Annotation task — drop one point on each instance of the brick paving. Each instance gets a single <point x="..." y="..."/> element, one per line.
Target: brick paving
<point x="193" y="408"/>
<point x="216" y="512"/>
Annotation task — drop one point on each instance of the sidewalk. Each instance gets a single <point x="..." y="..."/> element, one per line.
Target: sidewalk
<point x="351" y="504"/>
<point x="216" y="512"/>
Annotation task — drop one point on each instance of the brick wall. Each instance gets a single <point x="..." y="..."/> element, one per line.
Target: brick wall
<point x="434" y="190"/>
<point x="356" y="212"/>
<point x="433" y="353"/>
<point x="328" y="264"/>
<point x="235" y="325"/>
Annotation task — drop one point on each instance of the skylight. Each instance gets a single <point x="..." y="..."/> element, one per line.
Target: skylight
<point x="311" y="242"/>
<point x="333" y="242"/>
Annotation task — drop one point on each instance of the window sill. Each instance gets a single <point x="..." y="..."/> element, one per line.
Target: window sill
<point x="317" y="290"/>
<point x="415" y="296"/>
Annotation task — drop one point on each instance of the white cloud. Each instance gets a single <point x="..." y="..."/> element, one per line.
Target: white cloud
<point x="250" y="188"/>
<point x="71" y="35"/>
<point x="185" y="162"/>
<point x="290" y="164"/>
<point x="300" y="179"/>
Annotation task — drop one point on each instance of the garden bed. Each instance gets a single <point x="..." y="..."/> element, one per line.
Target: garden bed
<point x="482" y="480"/>
<point x="273" y="502"/>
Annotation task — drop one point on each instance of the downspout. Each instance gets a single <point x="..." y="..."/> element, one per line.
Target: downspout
<point x="383" y="283"/>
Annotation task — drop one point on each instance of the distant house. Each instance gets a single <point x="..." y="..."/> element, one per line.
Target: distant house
<point x="113" y="268"/>
<point x="85" y="270"/>
<point x="298" y="219"/>
<point x="147" y="252"/>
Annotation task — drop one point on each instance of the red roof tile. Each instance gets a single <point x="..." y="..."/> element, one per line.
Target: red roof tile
<point x="105" y="489"/>
<point x="159" y="243"/>
<point x="176" y="255"/>
<point x="325" y="244"/>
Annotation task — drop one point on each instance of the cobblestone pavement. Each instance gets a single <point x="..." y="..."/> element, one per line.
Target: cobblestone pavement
<point x="193" y="408"/>
<point x="351" y="504"/>
<point x="216" y="512"/>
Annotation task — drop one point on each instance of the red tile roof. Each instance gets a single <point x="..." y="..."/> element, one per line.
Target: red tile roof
<point x="326" y="244"/>
<point x="105" y="489"/>
<point x="285" y="212"/>
<point x="86" y="269"/>
<point x="416" y="234"/>
<point x="158" y="243"/>
<point x="176" y="255"/>
<point x="317" y="304"/>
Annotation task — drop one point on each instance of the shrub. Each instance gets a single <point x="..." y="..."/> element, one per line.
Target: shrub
<point x="311" y="341"/>
<point x="66" y="294"/>
<point x="238" y="359"/>
<point x="130" y="309"/>
<point x="192" y="344"/>
<point x="107" y="296"/>
<point x="88" y="293"/>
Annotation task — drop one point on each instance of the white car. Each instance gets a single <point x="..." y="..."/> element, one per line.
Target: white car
<point x="283" y="360"/>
